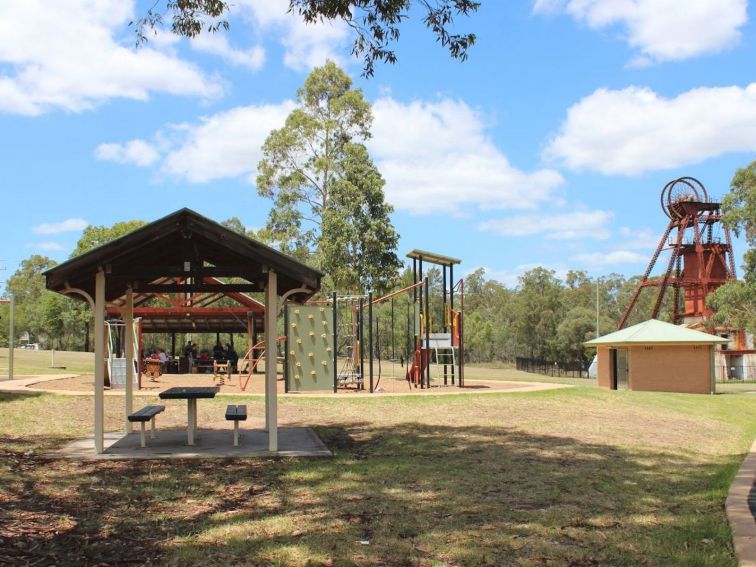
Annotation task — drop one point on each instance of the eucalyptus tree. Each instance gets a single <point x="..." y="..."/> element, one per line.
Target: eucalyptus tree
<point x="375" y="24"/>
<point x="327" y="194"/>
<point x="358" y="242"/>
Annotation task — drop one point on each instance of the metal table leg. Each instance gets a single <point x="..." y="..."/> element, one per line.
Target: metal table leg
<point x="192" y="429"/>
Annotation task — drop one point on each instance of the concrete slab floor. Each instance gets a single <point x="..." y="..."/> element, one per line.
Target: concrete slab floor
<point x="209" y="444"/>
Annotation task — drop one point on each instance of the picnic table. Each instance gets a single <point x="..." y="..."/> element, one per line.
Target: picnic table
<point x="191" y="394"/>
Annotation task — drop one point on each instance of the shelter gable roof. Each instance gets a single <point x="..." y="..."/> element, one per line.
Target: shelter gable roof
<point x="178" y="246"/>
<point x="654" y="331"/>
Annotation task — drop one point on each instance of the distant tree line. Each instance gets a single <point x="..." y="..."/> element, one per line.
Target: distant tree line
<point x="543" y="317"/>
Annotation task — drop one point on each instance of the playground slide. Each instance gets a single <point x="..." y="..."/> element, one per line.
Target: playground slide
<point x="417" y="369"/>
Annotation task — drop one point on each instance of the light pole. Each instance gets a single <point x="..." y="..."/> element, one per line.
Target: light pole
<point x="11" y="333"/>
<point x="11" y="337"/>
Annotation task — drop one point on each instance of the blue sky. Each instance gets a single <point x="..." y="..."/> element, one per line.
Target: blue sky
<point x="549" y="146"/>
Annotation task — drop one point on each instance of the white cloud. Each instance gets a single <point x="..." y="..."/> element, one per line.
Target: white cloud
<point x="435" y="156"/>
<point x="562" y="226"/>
<point x="68" y="225"/>
<point x="310" y="45"/>
<point x="137" y="152"/>
<point x="46" y="246"/>
<point x="305" y="45"/>
<point x="217" y="44"/>
<point x="438" y="157"/>
<point x="639" y="239"/>
<point x="76" y="54"/>
<point x="634" y="130"/>
<point x="662" y="30"/>
<point x="615" y="258"/>
<point x="227" y="144"/>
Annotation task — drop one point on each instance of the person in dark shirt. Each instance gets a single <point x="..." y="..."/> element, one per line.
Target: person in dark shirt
<point x="231" y="356"/>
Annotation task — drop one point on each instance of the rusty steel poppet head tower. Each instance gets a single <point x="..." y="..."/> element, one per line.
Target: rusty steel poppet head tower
<point x="699" y="260"/>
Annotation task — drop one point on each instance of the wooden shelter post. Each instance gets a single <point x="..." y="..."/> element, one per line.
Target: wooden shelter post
<point x="128" y="320"/>
<point x="99" y="322"/>
<point x="271" y="394"/>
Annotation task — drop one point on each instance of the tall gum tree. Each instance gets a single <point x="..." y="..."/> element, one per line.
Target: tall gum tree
<point x="327" y="194"/>
<point x="358" y="242"/>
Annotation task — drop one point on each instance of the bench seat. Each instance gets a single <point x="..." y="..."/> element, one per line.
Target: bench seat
<point x="144" y="415"/>
<point x="236" y="414"/>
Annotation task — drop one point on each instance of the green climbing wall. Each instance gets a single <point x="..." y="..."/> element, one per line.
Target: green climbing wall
<point x="309" y="336"/>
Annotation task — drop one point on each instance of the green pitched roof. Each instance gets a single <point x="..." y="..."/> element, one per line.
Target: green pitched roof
<point x="655" y="332"/>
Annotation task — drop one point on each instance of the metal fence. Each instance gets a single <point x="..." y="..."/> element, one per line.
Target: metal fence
<point x="553" y="369"/>
<point x="735" y="374"/>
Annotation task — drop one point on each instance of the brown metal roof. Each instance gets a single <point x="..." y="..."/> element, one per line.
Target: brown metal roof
<point x="183" y="252"/>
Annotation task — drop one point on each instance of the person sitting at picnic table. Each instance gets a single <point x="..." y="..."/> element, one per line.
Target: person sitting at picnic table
<point x="189" y="351"/>
<point x="203" y="362"/>
<point x="218" y="353"/>
<point x="163" y="359"/>
<point x="231" y="356"/>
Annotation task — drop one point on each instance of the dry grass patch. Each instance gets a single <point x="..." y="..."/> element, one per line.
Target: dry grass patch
<point x="566" y="477"/>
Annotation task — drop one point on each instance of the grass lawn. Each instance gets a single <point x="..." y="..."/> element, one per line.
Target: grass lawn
<point x="36" y="362"/>
<point x="578" y="477"/>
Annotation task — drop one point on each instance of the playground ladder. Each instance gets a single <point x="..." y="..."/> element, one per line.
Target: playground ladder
<point x="445" y="355"/>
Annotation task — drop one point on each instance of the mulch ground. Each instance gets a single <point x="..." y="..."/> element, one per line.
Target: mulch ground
<point x="256" y="385"/>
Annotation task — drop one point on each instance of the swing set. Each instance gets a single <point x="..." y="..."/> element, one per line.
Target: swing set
<point x="343" y="342"/>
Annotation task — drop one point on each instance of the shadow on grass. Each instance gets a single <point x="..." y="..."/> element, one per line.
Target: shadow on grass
<point x="14" y="396"/>
<point x="407" y="494"/>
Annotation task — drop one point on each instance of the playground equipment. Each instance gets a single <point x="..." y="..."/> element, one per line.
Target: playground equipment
<point x="445" y="350"/>
<point x="221" y="372"/>
<point x="248" y="363"/>
<point x="343" y="342"/>
<point x="153" y="369"/>
<point x="309" y="359"/>
<point x="116" y="361"/>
